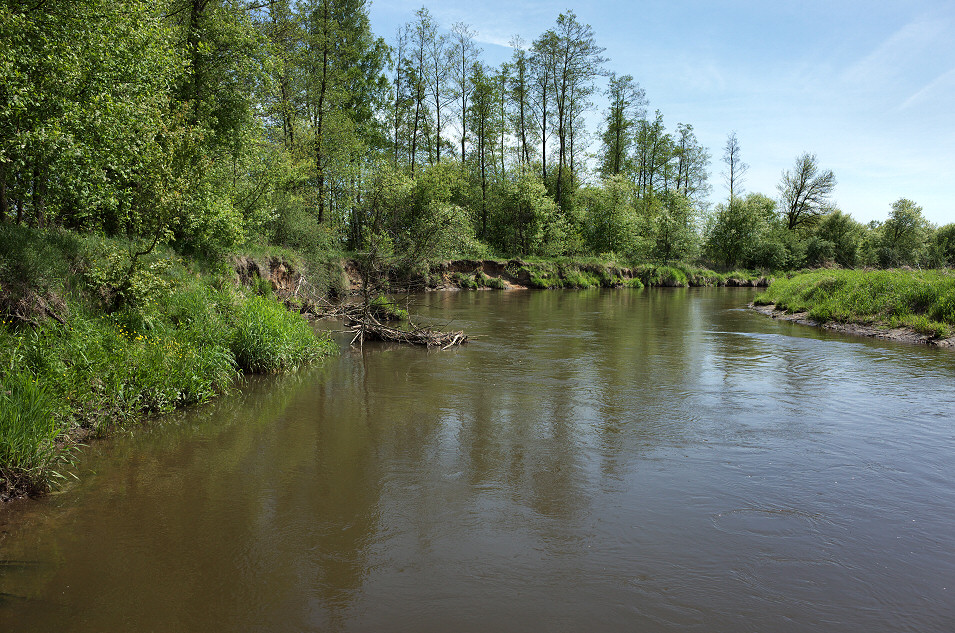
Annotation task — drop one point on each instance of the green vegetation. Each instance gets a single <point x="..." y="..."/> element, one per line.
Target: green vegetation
<point x="921" y="300"/>
<point x="149" y="144"/>
<point x="84" y="346"/>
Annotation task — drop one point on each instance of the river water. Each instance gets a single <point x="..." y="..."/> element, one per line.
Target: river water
<point x="656" y="460"/>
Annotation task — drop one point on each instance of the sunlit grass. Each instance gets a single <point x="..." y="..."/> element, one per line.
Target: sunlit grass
<point x="921" y="300"/>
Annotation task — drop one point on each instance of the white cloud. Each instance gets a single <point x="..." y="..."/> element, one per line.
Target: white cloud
<point x="940" y="87"/>
<point x="901" y="51"/>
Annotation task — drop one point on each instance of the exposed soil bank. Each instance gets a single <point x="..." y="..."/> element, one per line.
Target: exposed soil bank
<point x="875" y="330"/>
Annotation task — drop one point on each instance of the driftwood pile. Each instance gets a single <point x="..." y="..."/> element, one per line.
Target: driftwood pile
<point x="373" y="330"/>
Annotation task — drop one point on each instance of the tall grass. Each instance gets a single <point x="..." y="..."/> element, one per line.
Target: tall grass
<point x="28" y="432"/>
<point x="181" y="340"/>
<point x="921" y="300"/>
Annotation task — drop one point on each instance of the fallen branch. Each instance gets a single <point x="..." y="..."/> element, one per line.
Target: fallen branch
<point x="373" y="330"/>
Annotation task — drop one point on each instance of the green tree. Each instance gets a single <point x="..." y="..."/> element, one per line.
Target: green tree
<point x="83" y="95"/>
<point x="484" y="126"/>
<point x="837" y="238"/>
<point x="611" y="224"/>
<point x="944" y="245"/>
<point x="573" y="59"/>
<point x="627" y="107"/>
<point x="735" y="232"/>
<point x="805" y="192"/>
<point x="904" y="236"/>
<point x="674" y="229"/>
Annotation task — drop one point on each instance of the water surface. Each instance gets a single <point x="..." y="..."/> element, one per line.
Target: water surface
<point x="658" y="460"/>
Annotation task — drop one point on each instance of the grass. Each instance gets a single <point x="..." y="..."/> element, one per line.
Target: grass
<point x="923" y="301"/>
<point x="178" y="338"/>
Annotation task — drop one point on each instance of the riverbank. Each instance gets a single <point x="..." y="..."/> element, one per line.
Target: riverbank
<point x="97" y="335"/>
<point x="554" y="273"/>
<point x="902" y="305"/>
<point x="94" y="338"/>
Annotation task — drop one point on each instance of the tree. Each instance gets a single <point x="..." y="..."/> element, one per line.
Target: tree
<point x="692" y="162"/>
<point x="944" y="245"/>
<point x="904" y="235"/>
<point x="519" y="92"/>
<point x="737" y="230"/>
<point x="464" y="54"/>
<point x="735" y="167"/>
<point x="435" y="70"/>
<point x="837" y="238"/>
<point x="805" y="192"/>
<point x="675" y="229"/>
<point x="343" y="68"/>
<point x="652" y="155"/>
<point x="610" y="220"/>
<point x="85" y="114"/>
<point x="573" y="58"/>
<point x="483" y="123"/>
<point x="627" y="107"/>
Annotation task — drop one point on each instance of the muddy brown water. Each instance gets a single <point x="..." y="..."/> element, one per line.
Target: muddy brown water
<point x="657" y="460"/>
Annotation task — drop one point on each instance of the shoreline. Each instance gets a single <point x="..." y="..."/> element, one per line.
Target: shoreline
<point x="868" y="330"/>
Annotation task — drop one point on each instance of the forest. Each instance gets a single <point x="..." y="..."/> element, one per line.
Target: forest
<point x="212" y="125"/>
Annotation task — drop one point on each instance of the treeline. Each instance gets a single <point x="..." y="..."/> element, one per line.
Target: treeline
<point x="213" y="124"/>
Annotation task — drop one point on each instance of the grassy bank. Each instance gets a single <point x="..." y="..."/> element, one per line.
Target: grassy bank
<point x="923" y="301"/>
<point x="571" y="273"/>
<point x="84" y="344"/>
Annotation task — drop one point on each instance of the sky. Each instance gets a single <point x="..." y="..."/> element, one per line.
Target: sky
<point x="866" y="86"/>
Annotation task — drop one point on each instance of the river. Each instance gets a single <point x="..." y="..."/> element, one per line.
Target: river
<point x="655" y="460"/>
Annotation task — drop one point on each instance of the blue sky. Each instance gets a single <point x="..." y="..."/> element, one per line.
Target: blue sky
<point x="869" y="87"/>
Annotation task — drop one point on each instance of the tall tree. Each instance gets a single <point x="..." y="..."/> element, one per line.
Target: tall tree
<point x="483" y="123"/>
<point x="576" y="60"/>
<point x="627" y="107"/>
<point x="344" y="77"/>
<point x="464" y="53"/>
<point x="805" y="192"/>
<point x="652" y="155"/>
<point x="543" y="53"/>
<point x="692" y="163"/>
<point x="735" y="167"/>
<point x="520" y="99"/>
<point x="435" y="70"/>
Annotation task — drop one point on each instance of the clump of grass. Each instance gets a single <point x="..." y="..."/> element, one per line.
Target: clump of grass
<point x="667" y="276"/>
<point x="28" y="433"/>
<point x="484" y="281"/>
<point x="921" y="300"/>
<point x="269" y="339"/>
<point x="573" y="277"/>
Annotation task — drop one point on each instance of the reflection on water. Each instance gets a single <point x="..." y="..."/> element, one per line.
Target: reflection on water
<point x="604" y="460"/>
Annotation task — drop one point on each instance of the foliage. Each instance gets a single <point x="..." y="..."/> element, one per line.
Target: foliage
<point x="902" y="240"/>
<point x="178" y="343"/>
